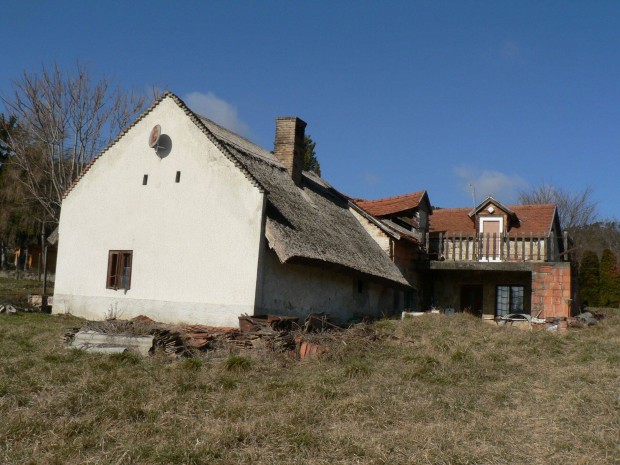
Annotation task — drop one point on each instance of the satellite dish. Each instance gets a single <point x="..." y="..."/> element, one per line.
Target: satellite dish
<point x="154" y="136"/>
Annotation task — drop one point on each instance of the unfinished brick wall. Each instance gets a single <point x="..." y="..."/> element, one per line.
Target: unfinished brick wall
<point x="551" y="290"/>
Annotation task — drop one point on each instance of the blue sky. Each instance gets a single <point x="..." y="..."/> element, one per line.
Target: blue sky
<point x="399" y="96"/>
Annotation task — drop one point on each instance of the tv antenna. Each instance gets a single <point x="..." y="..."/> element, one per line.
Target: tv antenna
<point x="473" y="192"/>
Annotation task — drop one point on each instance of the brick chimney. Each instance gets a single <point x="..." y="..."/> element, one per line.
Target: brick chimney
<point x="288" y="146"/>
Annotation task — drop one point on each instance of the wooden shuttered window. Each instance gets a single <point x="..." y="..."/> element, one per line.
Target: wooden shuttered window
<point x="119" y="269"/>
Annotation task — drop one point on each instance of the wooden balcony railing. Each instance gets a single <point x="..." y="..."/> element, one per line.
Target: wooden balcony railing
<point x="511" y="247"/>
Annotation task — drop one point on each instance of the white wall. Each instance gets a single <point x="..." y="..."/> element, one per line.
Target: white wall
<point x="297" y="290"/>
<point x="195" y="243"/>
<point x="375" y="232"/>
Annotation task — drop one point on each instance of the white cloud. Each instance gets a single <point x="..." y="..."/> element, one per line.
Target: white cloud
<point x="511" y="51"/>
<point x="502" y="186"/>
<point x="370" y="180"/>
<point x="210" y="105"/>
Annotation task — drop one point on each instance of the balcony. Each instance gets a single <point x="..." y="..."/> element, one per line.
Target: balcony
<point x="497" y="248"/>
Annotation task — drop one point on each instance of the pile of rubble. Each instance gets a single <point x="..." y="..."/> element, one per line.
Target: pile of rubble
<point x="145" y="336"/>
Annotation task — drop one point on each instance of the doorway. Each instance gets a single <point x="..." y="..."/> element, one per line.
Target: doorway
<point x="471" y="299"/>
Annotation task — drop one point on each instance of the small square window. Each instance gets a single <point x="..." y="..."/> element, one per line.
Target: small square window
<point x="178" y="177"/>
<point x="145" y="179"/>
<point x="119" y="269"/>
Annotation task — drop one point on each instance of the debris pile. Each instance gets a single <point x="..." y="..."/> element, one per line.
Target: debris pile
<point x="143" y="335"/>
<point x="584" y="319"/>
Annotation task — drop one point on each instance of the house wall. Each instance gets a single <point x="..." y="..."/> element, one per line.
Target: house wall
<point x="422" y="218"/>
<point x="406" y="255"/>
<point x="298" y="290"/>
<point x="498" y="213"/>
<point x="195" y="243"/>
<point x="447" y="287"/>
<point x="552" y="291"/>
<point x="375" y="232"/>
<point x="403" y="253"/>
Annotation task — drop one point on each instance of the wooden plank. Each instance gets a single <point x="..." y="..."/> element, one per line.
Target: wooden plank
<point x="460" y="246"/>
<point x="538" y="251"/>
<point x="508" y="246"/>
<point x="565" y="257"/>
<point x="467" y="247"/>
<point x="453" y="245"/>
<point x="531" y="246"/>
<point x="502" y="239"/>
<point x="523" y="246"/>
<point x="486" y="245"/>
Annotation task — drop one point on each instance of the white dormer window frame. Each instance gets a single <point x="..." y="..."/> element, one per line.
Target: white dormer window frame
<point x="489" y="219"/>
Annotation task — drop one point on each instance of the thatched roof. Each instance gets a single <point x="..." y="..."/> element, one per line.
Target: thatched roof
<point x="312" y="223"/>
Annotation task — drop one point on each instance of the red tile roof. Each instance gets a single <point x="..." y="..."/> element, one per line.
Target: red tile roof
<point x="537" y="219"/>
<point x="391" y="205"/>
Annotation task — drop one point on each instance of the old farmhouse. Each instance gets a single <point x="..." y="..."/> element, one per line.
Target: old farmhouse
<point x="184" y="221"/>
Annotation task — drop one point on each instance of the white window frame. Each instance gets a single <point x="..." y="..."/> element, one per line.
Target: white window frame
<point x="489" y="219"/>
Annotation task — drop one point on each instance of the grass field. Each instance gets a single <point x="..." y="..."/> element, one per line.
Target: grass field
<point x="430" y="390"/>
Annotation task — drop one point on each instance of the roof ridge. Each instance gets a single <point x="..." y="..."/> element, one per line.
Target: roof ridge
<point x="203" y="117"/>
<point x="538" y="205"/>
<point x="395" y="197"/>
<point x="196" y="120"/>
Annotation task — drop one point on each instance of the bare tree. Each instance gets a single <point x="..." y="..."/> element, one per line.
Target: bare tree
<point x="64" y="120"/>
<point x="576" y="209"/>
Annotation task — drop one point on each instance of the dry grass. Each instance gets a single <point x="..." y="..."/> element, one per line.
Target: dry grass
<point x="430" y="390"/>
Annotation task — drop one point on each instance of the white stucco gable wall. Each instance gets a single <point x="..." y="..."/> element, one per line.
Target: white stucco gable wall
<point x="380" y="237"/>
<point x="195" y="243"/>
